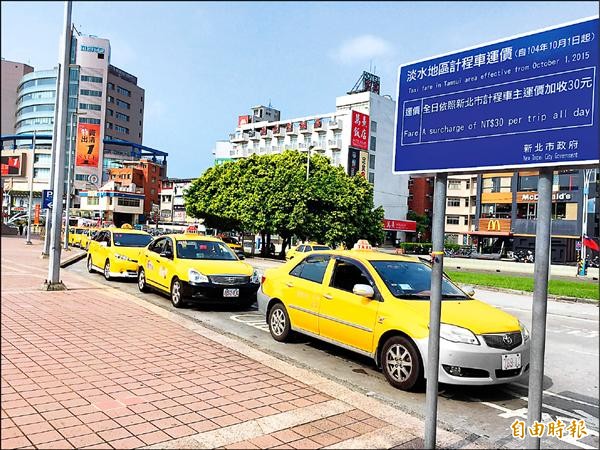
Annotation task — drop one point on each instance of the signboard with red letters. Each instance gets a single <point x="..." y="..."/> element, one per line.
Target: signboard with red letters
<point x="399" y="225"/>
<point x="243" y="120"/>
<point x="360" y="131"/>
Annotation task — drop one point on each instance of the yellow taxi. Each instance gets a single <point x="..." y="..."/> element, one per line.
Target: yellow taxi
<point x="194" y="268"/>
<point x="75" y="235"/>
<point x="302" y="249"/>
<point x="233" y="244"/>
<point x="377" y="304"/>
<point x="114" y="251"/>
<point x="86" y="237"/>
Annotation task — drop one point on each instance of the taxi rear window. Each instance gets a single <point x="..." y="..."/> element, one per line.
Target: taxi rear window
<point x="131" y="239"/>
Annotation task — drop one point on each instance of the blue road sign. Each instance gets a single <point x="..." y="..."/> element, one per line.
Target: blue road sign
<point x="47" y="198"/>
<point x="528" y="101"/>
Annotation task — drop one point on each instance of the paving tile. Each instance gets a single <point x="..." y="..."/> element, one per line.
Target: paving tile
<point x="154" y="437"/>
<point x="103" y="425"/>
<point x="141" y="428"/>
<point x="204" y="425"/>
<point x="114" y="434"/>
<point x="14" y="432"/>
<point x="180" y="431"/>
<point x="265" y="441"/>
<point x="16" y="442"/>
<point x="85" y="440"/>
<point x="325" y="439"/>
<point x="286" y="436"/>
<point x="305" y="443"/>
<point x="78" y="430"/>
<point x="46" y="436"/>
<point x="129" y="442"/>
<point x="167" y="422"/>
<point x="60" y="444"/>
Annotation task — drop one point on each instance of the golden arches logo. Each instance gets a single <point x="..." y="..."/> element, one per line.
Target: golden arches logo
<point x="493" y="225"/>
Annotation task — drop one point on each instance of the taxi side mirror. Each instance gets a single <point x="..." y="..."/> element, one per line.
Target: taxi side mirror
<point x="103" y="243"/>
<point x="469" y="290"/>
<point x="167" y="254"/>
<point x="364" y="290"/>
<point x="240" y="255"/>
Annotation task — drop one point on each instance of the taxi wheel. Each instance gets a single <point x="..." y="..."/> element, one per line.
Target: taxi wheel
<point x="279" y="323"/>
<point x="177" y="294"/>
<point x="89" y="265"/>
<point x="107" y="270"/>
<point x="401" y="363"/>
<point x="142" y="286"/>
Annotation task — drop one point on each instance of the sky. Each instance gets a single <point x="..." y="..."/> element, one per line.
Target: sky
<point x="204" y="63"/>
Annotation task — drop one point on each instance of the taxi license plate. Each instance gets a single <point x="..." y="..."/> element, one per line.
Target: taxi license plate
<point x="511" y="361"/>
<point x="231" y="292"/>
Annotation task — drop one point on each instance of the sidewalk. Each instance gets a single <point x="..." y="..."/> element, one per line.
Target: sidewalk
<point x="93" y="367"/>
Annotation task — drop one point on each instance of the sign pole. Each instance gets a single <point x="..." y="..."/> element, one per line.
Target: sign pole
<point x="46" y="250"/>
<point x="53" y="281"/>
<point x="69" y="182"/>
<point x="435" y="308"/>
<point x="540" y="303"/>
<point x="30" y="206"/>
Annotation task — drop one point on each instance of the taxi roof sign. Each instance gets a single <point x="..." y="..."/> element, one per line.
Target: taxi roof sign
<point x="192" y="229"/>
<point x="362" y="244"/>
<point x="126" y="226"/>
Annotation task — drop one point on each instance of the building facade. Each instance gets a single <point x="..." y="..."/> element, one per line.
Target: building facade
<point x="332" y="135"/>
<point x="461" y="204"/>
<point x="105" y="103"/>
<point x="113" y="204"/>
<point x="172" y="203"/>
<point x="145" y="176"/>
<point x="507" y="210"/>
<point x="12" y="73"/>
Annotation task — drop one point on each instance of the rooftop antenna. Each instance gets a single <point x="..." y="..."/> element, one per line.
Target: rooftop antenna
<point x="269" y="103"/>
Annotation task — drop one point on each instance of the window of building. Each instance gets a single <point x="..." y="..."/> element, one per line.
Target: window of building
<point x="90" y="106"/>
<point x="373" y="145"/>
<point x="122" y="116"/>
<point x="110" y="112"/>
<point x="496" y="210"/>
<point x="467" y="202"/>
<point x="527" y="183"/>
<point x="468" y="184"/>
<point x="128" y="202"/>
<point x="43" y="158"/>
<point x="453" y="220"/>
<point x="123" y="91"/>
<point x="36" y="121"/>
<point x="372" y="162"/>
<point x="454" y="185"/>
<point x="111" y="86"/>
<point x="41" y="173"/>
<point x="373" y="126"/>
<point x="89" y="120"/>
<point x="122" y="104"/>
<point x="566" y="180"/>
<point x="497" y="184"/>
<point x="294" y="142"/>
<point x="110" y="99"/>
<point x="90" y="92"/>
<point x="121" y="129"/>
<point x="93" y="201"/>
<point x="91" y="79"/>
<point x="452" y="201"/>
<point x="372" y="177"/>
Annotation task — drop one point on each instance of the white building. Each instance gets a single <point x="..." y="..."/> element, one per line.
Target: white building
<point x="113" y="203"/>
<point x="172" y="204"/>
<point x="461" y="203"/>
<point x="331" y="135"/>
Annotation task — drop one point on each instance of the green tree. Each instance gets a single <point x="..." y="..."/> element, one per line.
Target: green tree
<point x="423" y="223"/>
<point x="270" y="194"/>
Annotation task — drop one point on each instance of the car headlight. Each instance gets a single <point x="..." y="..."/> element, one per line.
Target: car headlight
<point x="524" y="332"/>
<point x="196" y="277"/>
<point x="255" y="278"/>
<point x="121" y="257"/>
<point x="453" y="333"/>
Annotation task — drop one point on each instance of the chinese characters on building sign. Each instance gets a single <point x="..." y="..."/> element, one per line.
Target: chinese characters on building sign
<point x="360" y="131"/>
<point x="527" y="101"/>
<point x="88" y="145"/>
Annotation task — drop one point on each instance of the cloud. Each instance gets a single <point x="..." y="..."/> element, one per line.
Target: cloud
<point x="362" y="48"/>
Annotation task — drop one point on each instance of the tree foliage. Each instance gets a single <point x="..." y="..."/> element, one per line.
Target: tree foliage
<point x="270" y="194"/>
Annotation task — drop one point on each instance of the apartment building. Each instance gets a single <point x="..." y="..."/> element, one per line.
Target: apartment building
<point x="172" y="203"/>
<point x="12" y="72"/>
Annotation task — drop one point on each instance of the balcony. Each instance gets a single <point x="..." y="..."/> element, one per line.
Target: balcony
<point x="255" y="136"/>
<point x="335" y="144"/>
<point x="335" y="124"/>
<point x="238" y="137"/>
<point x="319" y="126"/>
<point x="277" y="131"/>
<point x="306" y="130"/>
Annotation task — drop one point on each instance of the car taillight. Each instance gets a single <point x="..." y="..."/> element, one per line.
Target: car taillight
<point x="262" y="279"/>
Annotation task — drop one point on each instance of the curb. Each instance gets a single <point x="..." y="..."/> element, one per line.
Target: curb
<point x="72" y="259"/>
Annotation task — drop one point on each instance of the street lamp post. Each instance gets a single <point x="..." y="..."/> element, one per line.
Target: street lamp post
<point x="308" y="161"/>
<point x="587" y="175"/>
<point x="70" y="169"/>
<point x="30" y="205"/>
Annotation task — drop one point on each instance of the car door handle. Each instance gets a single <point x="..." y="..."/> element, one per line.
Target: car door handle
<point x="327" y="296"/>
<point x="289" y="284"/>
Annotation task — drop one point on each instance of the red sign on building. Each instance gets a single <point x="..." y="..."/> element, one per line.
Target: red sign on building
<point x="360" y="131"/>
<point x="399" y="225"/>
<point x="243" y="120"/>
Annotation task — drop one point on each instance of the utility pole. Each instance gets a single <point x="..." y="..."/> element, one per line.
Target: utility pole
<point x="53" y="281"/>
<point x="30" y="205"/>
<point x="587" y="174"/>
<point x="68" y="199"/>
<point x="46" y="250"/>
<point x="308" y="161"/>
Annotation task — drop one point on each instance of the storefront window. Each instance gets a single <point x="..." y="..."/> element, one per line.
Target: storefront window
<point x="528" y="183"/>
<point x="496" y="210"/>
<point x="496" y="184"/>
<point x="566" y="180"/>
<point x="526" y="211"/>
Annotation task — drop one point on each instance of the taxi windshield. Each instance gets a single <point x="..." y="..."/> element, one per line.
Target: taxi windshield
<point x="131" y="239"/>
<point x="196" y="249"/>
<point x="412" y="280"/>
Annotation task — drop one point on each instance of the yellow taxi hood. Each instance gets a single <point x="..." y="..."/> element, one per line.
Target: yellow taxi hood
<point x="474" y="315"/>
<point x="130" y="252"/>
<point x="219" y="267"/>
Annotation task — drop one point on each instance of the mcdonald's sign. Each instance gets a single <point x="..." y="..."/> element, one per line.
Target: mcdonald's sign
<point x="494" y="225"/>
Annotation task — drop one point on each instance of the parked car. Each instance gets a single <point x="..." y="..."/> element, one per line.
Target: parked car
<point x="301" y="249"/>
<point x="234" y="245"/>
<point x="115" y="251"/>
<point x="377" y="304"/>
<point x="196" y="268"/>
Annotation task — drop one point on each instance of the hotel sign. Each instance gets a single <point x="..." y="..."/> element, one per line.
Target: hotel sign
<point x="91" y="48"/>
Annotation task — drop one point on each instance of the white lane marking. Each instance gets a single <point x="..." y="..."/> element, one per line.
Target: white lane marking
<point x="585" y="353"/>
<point x="552" y="394"/>
<point x="254" y="320"/>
